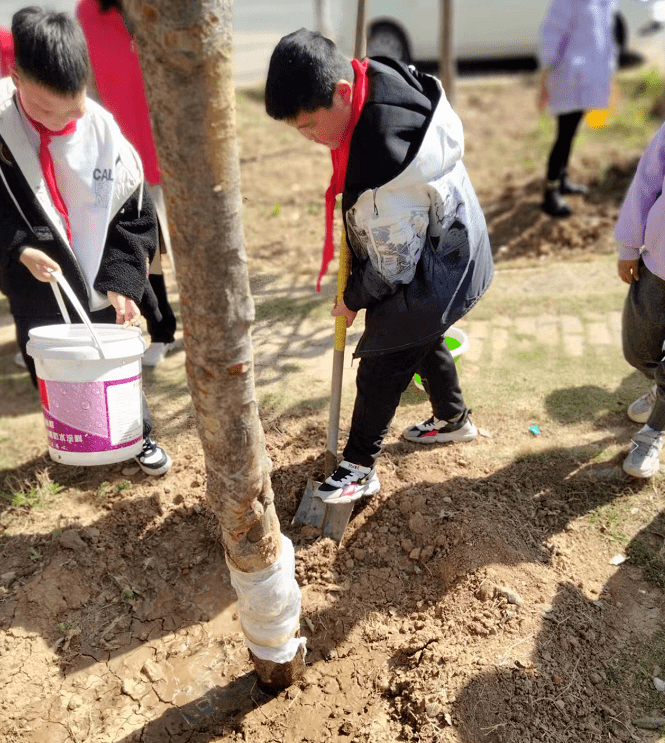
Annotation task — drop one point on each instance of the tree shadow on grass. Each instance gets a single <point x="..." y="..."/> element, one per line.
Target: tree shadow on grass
<point x="595" y="404"/>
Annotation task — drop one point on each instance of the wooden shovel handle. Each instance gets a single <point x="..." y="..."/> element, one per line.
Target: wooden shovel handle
<point x="338" y="362"/>
<point x="342" y="277"/>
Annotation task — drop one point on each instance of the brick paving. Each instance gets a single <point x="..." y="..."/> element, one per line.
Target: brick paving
<point x="571" y="332"/>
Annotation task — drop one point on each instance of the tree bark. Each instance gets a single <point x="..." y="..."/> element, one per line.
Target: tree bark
<point x="360" y="47"/>
<point x="185" y="50"/>
<point x="322" y="22"/>
<point x="446" y="60"/>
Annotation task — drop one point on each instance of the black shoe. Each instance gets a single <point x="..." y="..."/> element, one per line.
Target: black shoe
<point x="554" y="205"/>
<point x="573" y="188"/>
<point x="153" y="460"/>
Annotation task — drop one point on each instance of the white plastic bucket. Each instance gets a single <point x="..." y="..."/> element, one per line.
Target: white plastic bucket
<point x="89" y="378"/>
<point x="457" y="342"/>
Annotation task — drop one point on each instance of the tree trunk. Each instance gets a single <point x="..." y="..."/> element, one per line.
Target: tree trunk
<point x="322" y="22"/>
<point x="360" y="48"/>
<point x="446" y="61"/>
<point x="185" y="50"/>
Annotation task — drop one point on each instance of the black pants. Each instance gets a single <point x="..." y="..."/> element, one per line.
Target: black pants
<point x="380" y="382"/>
<point x="643" y="335"/>
<point x="162" y="331"/>
<point x="566" y="127"/>
<point x="107" y="315"/>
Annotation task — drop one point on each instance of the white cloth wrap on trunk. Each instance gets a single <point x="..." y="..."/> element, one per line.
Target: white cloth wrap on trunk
<point x="269" y="607"/>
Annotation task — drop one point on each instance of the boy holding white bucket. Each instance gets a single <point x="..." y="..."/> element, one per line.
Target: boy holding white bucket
<point x="421" y="253"/>
<point x="71" y="193"/>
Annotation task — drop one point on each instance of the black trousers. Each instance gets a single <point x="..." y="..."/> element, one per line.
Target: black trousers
<point x="380" y="382"/>
<point x="107" y="315"/>
<point x="162" y="331"/>
<point x="643" y="335"/>
<point x="566" y="127"/>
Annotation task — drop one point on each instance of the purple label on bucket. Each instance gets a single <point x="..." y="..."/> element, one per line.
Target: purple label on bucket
<point x="92" y="416"/>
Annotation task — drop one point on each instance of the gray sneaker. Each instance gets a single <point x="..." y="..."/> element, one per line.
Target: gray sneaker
<point x="640" y="410"/>
<point x="643" y="459"/>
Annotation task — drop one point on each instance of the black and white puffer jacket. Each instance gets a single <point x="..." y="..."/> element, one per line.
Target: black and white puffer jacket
<point x="421" y="252"/>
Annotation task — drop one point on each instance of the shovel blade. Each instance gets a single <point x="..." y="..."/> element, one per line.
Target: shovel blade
<point x="312" y="511"/>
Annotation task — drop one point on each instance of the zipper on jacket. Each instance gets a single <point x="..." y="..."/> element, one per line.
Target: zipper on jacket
<point x="376" y="210"/>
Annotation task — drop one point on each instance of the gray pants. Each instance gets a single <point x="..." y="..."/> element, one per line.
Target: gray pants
<point x="643" y="335"/>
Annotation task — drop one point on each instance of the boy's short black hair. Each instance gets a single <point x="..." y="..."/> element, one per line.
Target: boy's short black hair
<point x="106" y="5"/>
<point x="304" y="70"/>
<point x="50" y="49"/>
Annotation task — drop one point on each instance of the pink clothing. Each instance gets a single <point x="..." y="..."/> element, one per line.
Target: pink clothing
<point x="6" y="51"/>
<point x="117" y="70"/>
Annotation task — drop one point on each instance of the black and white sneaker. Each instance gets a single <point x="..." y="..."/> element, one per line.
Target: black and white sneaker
<point x="434" y="431"/>
<point x="348" y="483"/>
<point x="153" y="460"/>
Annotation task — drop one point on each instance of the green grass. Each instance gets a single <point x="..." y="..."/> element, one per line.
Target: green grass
<point x="295" y="308"/>
<point x="632" y="125"/>
<point x="608" y="519"/>
<point x="108" y="490"/>
<point x="37" y="495"/>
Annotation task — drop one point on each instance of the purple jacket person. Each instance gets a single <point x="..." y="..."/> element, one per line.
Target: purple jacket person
<point x="578" y="59"/>
<point x="640" y="232"/>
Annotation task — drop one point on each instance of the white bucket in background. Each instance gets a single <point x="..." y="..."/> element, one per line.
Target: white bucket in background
<point x="92" y="406"/>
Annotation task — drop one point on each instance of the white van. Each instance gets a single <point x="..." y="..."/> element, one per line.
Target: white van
<point x="482" y="29"/>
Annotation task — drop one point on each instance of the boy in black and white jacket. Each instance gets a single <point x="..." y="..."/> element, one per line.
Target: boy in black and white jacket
<point x="71" y="193"/>
<point x="421" y="253"/>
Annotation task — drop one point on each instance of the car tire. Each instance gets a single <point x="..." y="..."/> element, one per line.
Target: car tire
<point x="386" y="40"/>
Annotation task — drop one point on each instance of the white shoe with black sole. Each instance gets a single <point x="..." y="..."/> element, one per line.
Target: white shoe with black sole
<point x="153" y="460"/>
<point x="435" y="431"/>
<point x="348" y="483"/>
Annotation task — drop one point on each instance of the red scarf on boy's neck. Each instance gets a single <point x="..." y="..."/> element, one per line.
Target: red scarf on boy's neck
<point x="46" y="161"/>
<point x="340" y="158"/>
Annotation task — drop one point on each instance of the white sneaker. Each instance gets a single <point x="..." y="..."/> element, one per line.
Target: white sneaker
<point x="153" y="460"/>
<point x="156" y="353"/>
<point x="348" y="483"/>
<point x="19" y="360"/>
<point x="640" y="410"/>
<point x="434" y="431"/>
<point x="643" y="460"/>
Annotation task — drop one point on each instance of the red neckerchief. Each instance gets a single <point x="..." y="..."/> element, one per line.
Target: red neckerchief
<point x="46" y="161"/>
<point x="340" y="159"/>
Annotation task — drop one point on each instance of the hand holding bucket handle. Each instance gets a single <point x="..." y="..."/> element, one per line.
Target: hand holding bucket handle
<point x="61" y="281"/>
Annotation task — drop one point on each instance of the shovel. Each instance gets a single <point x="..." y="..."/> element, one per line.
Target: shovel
<point x="331" y="519"/>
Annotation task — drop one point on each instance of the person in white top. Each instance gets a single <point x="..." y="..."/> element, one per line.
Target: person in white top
<point x="71" y="193"/>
